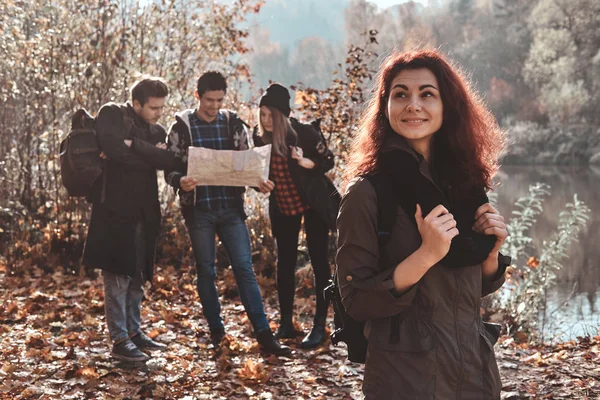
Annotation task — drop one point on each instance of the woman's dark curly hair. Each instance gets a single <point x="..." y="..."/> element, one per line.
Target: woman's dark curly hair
<point x="470" y="140"/>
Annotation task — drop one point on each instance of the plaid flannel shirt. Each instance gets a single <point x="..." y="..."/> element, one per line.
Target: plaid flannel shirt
<point x="286" y="194"/>
<point x="213" y="135"/>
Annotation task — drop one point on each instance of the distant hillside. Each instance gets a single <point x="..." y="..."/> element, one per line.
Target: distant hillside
<point x="290" y="21"/>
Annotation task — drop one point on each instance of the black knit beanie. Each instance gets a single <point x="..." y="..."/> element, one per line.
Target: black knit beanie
<point x="278" y="97"/>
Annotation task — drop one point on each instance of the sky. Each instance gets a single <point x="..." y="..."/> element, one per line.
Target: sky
<point x="389" y="3"/>
<point x="382" y="3"/>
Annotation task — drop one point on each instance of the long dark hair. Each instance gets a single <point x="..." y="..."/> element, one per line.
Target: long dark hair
<point x="469" y="140"/>
<point x="282" y="128"/>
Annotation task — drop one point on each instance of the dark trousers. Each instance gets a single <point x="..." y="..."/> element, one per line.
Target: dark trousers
<point x="286" y="230"/>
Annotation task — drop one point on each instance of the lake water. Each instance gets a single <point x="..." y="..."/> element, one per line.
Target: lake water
<point x="578" y="283"/>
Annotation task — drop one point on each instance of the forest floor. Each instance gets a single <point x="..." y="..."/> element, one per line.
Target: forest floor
<point x="53" y="345"/>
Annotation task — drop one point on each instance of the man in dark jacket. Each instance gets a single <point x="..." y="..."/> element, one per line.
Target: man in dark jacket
<point x="210" y="210"/>
<point x="126" y="213"/>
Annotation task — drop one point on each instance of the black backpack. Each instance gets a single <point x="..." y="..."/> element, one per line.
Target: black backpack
<point x="347" y="329"/>
<point x="80" y="162"/>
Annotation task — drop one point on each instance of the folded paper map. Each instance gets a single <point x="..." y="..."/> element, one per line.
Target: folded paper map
<point x="229" y="167"/>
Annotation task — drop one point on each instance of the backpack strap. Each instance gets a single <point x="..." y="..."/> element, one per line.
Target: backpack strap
<point x="227" y="117"/>
<point x="230" y="128"/>
<point x="387" y="208"/>
<point x="347" y="329"/>
<point x="243" y="139"/>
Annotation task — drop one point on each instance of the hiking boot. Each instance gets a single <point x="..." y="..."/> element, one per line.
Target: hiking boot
<point x="128" y="351"/>
<point x="143" y="342"/>
<point x="287" y="330"/>
<point x="270" y="345"/>
<point x="315" y="337"/>
<point x="216" y="337"/>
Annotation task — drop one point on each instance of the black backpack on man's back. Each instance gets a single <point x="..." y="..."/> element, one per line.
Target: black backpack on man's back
<point x="80" y="161"/>
<point x="347" y="329"/>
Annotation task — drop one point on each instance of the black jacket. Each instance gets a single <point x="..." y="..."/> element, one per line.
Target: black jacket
<point x="131" y="191"/>
<point x="314" y="187"/>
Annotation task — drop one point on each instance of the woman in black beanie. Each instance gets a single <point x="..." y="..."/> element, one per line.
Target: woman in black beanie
<point x="299" y="188"/>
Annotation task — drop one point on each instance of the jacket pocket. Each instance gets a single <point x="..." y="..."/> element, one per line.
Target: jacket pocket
<point x="490" y="333"/>
<point x="403" y="333"/>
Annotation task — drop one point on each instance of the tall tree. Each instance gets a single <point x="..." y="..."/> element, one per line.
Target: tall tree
<point x="359" y="17"/>
<point x="316" y="69"/>
<point x="562" y="65"/>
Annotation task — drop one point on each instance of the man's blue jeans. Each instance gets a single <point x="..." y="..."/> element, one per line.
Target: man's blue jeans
<point x="123" y="294"/>
<point x="233" y="233"/>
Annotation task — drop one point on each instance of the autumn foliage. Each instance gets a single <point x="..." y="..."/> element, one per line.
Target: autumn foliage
<point x="62" y="55"/>
<point x="57" y="56"/>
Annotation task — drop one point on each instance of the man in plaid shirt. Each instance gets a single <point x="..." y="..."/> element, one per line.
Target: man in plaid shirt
<point x="210" y="210"/>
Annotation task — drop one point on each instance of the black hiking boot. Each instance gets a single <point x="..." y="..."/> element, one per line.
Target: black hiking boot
<point x="287" y="330"/>
<point x="143" y="342"/>
<point x="216" y="337"/>
<point x="128" y="351"/>
<point x="315" y="337"/>
<point x="270" y="345"/>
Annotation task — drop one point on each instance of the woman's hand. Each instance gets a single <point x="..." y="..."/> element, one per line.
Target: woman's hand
<point x="437" y="230"/>
<point x="187" y="183"/>
<point x="489" y="222"/>
<point x="266" y="186"/>
<point x="298" y="155"/>
<point x="162" y="146"/>
<point x="297" y="152"/>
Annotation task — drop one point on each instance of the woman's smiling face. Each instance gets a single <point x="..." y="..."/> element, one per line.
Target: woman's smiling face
<point x="414" y="107"/>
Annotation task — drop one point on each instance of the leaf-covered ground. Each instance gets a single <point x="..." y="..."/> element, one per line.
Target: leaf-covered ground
<point x="53" y="345"/>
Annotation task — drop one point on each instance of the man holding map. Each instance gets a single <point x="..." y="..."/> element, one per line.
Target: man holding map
<point x="210" y="210"/>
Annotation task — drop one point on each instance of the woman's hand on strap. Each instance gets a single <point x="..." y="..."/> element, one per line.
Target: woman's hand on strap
<point x="437" y="230"/>
<point x="488" y="221"/>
